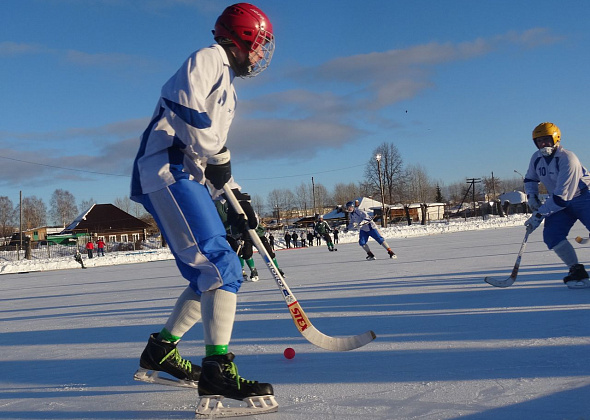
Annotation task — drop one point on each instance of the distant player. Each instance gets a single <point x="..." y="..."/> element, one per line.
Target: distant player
<point x="367" y="228"/>
<point x="322" y="230"/>
<point x="567" y="182"/>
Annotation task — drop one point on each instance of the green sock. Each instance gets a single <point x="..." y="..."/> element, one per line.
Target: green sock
<point x="166" y="336"/>
<point x="274" y="260"/>
<point x="215" y="350"/>
<point x="250" y="262"/>
<point x="241" y="261"/>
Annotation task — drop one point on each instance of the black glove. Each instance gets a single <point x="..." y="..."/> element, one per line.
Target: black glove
<point x="238" y="220"/>
<point x="218" y="169"/>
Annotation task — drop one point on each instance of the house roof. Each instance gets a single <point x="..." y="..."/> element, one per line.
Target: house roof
<point x="104" y="218"/>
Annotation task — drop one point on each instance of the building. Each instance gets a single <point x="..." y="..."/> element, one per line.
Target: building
<point x="109" y="223"/>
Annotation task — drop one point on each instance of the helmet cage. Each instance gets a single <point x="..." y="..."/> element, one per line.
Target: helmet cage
<point x="261" y="52"/>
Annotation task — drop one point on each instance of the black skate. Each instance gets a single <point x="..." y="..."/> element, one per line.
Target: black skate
<point x="391" y="254"/>
<point x="370" y="256"/>
<point x="577" y="277"/>
<point x="254" y="275"/>
<point x="220" y="380"/>
<point x="160" y="356"/>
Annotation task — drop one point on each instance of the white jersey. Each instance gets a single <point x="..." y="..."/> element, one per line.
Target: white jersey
<point x="360" y="219"/>
<point x="562" y="174"/>
<point x="190" y="123"/>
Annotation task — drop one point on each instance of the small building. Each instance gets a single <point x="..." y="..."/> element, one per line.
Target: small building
<point x="109" y="223"/>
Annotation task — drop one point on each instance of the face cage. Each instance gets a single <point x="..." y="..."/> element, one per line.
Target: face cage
<point x="261" y="53"/>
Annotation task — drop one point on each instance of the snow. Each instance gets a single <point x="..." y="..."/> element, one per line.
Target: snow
<point x="448" y="344"/>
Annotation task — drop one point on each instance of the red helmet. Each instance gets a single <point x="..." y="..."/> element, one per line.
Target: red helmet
<point x="248" y="28"/>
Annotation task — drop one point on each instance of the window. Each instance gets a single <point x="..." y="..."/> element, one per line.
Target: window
<point x="124" y="238"/>
<point x="112" y="238"/>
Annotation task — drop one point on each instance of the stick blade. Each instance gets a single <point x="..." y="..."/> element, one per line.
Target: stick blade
<point x="326" y="342"/>
<point x="500" y="282"/>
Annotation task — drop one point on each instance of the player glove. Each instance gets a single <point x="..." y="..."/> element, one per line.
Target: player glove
<point x="218" y="169"/>
<point x="533" y="222"/>
<point x="238" y="220"/>
<point x="534" y="201"/>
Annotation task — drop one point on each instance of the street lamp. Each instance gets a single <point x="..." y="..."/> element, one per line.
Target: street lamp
<point x="526" y="204"/>
<point x="378" y="159"/>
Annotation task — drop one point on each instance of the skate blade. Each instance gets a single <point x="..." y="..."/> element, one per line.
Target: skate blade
<point x="153" y="377"/>
<point x="578" y="284"/>
<point x="211" y="406"/>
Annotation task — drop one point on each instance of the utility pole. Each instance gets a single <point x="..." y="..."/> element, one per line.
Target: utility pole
<point x="473" y="181"/>
<point x="313" y="195"/>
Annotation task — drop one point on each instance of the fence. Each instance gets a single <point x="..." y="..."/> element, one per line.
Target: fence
<point x="39" y="252"/>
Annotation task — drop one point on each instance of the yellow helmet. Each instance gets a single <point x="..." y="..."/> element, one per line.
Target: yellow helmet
<point x="547" y="129"/>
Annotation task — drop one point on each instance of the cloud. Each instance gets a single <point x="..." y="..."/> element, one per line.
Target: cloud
<point x="113" y="149"/>
<point x="385" y="78"/>
<point x="9" y="48"/>
<point x="336" y="98"/>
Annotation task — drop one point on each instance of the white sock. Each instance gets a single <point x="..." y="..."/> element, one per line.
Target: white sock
<point x="385" y="245"/>
<point x="218" y="308"/>
<point x="566" y="252"/>
<point x="186" y="313"/>
<point x="366" y="248"/>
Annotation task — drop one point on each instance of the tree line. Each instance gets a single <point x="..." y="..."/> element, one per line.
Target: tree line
<point x="387" y="180"/>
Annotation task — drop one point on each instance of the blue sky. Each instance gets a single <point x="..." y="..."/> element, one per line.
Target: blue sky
<point x="457" y="86"/>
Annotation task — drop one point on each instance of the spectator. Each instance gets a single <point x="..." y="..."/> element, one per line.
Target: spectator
<point x="100" y="246"/>
<point x="89" y="248"/>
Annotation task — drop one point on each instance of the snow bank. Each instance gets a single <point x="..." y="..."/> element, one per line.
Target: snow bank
<point x="130" y="257"/>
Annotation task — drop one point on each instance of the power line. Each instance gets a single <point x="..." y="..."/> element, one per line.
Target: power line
<point x="128" y="176"/>
<point x="295" y="176"/>
<point x="62" y="167"/>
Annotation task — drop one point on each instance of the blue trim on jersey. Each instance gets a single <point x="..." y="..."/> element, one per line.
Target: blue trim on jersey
<point x="190" y="116"/>
<point x="135" y="184"/>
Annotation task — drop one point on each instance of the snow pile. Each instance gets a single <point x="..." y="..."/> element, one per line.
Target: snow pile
<point x="130" y="257"/>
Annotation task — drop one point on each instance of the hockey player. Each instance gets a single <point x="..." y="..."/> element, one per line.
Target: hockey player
<point x="182" y="163"/>
<point x="567" y="182"/>
<point x="322" y="230"/>
<point x="241" y="242"/>
<point x="367" y="227"/>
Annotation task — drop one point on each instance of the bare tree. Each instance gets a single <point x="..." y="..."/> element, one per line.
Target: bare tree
<point x="86" y="204"/>
<point x="34" y="212"/>
<point x="419" y="187"/>
<point x="7" y="217"/>
<point x="392" y="173"/>
<point x="63" y="207"/>
<point x="124" y="203"/>
<point x="322" y="197"/>
<point x="258" y="204"/>
<point x="492" y="187"/>
<point x="276" y="203"/>
<point x="345" y="192"/>
<point x="303" y="197"/>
